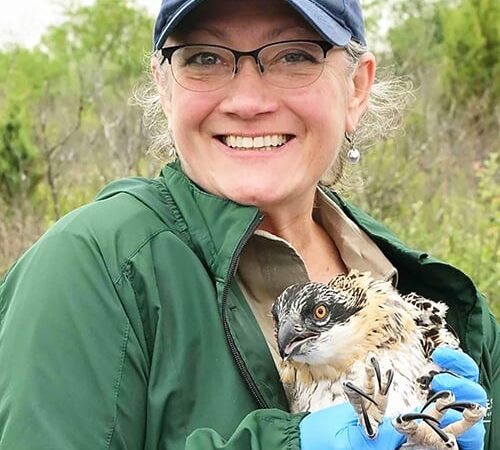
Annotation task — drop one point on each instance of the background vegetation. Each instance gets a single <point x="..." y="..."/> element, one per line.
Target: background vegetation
<point x="67" y="128"/>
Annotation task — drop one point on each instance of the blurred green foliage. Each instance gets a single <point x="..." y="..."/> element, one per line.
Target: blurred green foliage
<point x="66" y="127"/>
<point x="444" y="197"/>
<point x="471" y="47"/>
<point x="20" y="171"/>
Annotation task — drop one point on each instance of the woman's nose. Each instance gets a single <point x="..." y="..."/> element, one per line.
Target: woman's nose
<point x="248" y="94"/>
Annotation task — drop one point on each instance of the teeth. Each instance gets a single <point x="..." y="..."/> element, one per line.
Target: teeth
<point x="247" y="142"/>
<point x="258" y="142"/>
<point x="261" y="142"/>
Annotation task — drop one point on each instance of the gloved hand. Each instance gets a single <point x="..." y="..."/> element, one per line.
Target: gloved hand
<point x="337" y="428"/>
<point x="464" y="385"/>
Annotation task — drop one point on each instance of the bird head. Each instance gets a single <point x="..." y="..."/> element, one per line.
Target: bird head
<point x="316" y="324"/>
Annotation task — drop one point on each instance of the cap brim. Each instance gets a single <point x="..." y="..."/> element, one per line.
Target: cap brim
<point x="323" y="23"/>
<point x="326" y="25"/>
<point x="186" y="8"/>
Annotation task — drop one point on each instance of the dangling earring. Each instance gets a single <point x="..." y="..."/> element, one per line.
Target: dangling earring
<point x="353" y="154"/>
<point x="172" y="152"/>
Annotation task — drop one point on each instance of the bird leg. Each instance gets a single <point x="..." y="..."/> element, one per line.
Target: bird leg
<point x="472" y="414"/>
<point x="427" y="433"/>
<point x="382" y="390"/>
<point x="424" y="434"/>
<point x="370" y="403"/>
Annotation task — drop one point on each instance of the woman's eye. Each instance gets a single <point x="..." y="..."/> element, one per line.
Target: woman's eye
<point x="295" y="57"/>
<point x="204" y="59"/>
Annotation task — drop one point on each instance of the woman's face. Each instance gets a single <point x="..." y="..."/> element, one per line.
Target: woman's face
<point x="314" y="118"/>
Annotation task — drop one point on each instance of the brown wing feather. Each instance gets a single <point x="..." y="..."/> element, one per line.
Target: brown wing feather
<point x="431" y="321"/>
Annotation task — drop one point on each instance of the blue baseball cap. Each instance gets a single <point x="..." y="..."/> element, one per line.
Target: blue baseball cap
<point x="337" y="21"/>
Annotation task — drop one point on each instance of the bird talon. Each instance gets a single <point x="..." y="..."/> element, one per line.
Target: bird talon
<point x="370" y="431"/>
<point x="440" y="395"/>
<point x="366" y="408"/>
<point x="425" y="433"/>
<point x="378" y="374"/>
<point x="423" y="428"/>
<point x="461" y="406"/>
<point x="390" y="377"/>
<point x="359" y="391"/>
<point x="415" y="416"/>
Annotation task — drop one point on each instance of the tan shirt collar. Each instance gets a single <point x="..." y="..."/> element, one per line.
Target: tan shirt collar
<point x="269" y="264"/>
<point x="356" y="248"/>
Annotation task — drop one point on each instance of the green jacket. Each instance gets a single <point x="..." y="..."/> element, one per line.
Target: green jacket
<point x="123" y="327"/>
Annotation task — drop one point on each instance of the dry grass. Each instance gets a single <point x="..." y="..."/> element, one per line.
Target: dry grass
<point x="18" y="231"/>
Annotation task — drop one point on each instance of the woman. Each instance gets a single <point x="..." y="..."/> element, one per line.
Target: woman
<point x="141" y="320"/>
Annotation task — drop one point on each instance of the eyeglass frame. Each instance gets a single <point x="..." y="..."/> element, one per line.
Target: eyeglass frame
<point x="167" y="52"/>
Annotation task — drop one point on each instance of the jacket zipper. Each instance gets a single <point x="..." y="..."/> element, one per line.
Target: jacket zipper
<point x="230" y="340"/>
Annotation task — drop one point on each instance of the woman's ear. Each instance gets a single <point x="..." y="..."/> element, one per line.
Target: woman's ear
<point x="359" y="92"/>
<point x="162" y="81"/>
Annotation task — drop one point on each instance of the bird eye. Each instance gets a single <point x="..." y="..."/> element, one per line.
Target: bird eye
<point x="320" y="312"/>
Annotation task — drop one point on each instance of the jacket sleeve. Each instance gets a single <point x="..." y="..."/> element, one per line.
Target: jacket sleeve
<point x="260" y="430"/>
<point x="63" y="339"/>
<point x="74" y="373"/>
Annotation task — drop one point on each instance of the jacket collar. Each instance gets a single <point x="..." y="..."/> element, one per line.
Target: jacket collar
<point x="216" y="226"/>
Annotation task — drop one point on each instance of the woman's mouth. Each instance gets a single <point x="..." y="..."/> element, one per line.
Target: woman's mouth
<point x="267" y="143"/>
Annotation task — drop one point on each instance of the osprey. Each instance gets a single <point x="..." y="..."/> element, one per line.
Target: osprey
<point x="358" y="340"/>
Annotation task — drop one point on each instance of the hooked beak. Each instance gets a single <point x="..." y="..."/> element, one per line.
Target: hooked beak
<point x="290" y="340"/>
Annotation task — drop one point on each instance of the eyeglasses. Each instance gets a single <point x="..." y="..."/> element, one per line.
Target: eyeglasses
<point x="285" y="64"/>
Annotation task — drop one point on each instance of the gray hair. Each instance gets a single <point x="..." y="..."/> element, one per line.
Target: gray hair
<point x="389" y="97"/>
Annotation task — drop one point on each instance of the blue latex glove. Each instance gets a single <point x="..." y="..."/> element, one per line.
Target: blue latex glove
<point x="465" y="387"/>
<point x="337" y="428"/>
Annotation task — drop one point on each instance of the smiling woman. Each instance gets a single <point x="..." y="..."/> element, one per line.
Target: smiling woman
<point x="388" y="96"/>
<point x="143" y="320"/>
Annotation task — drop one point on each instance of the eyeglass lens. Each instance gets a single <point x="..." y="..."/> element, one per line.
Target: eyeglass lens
<point x="205" y="68"/>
